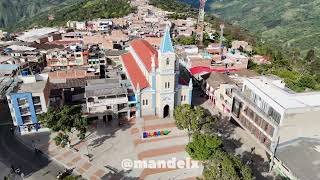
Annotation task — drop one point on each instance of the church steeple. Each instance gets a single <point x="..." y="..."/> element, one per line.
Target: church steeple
<point x="166" y="43"/>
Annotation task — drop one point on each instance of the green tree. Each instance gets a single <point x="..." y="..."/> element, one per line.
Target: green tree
<point x="192" y="119"/>
<point x="224" y="166"/>
<point x="183" y="117"/>
<point x="310" y="57"/>
<point x="203" y="146"/>
<point x="65" y="120"/>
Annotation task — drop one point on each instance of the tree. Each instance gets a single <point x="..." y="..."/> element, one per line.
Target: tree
<point x="224" y="166"/>
<point x="191" y="119"/>
<point x="183" y="117"/>
<point x="64" y="120"/>
<point x="310" y="57"/>
<point x="203" y="146"/>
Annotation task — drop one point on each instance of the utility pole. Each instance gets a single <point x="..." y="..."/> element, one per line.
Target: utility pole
<point x="200" y="25"/>
<point x="221" y="40"/>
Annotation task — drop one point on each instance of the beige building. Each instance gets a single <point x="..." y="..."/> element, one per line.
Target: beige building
<point x="218" y="87"/>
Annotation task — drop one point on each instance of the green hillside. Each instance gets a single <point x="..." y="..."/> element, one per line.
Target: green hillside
<point x="83" y="10"/>
<point x="13" y="11"/>
<point x="291" y="23"/>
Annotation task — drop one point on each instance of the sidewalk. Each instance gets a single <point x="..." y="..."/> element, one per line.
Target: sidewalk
<point x="104" y="143"/>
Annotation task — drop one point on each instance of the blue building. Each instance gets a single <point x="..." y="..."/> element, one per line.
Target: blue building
<point x="27" y="100"/>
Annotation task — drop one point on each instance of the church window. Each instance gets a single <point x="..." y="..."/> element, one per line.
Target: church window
<point x="167" y="61"/>
<point x="143" y="102"/>
<point x="146" y="101"/>
<point x="166" y="85"/>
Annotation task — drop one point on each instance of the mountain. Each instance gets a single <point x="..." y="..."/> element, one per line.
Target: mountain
<point x="290" y="23"/>
<point x="79" y="11"/>
<point x="13" y="11"/>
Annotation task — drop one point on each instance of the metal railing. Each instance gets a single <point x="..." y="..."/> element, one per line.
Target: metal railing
<point x="256" y="109"/>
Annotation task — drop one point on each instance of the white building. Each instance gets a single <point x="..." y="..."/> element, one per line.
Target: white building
<point x="154" y="76"/>
<point x="107" y="99"/>
<point x="273" y="114"/>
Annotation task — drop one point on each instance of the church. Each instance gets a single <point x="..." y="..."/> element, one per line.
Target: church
<point x="155" y="79"/>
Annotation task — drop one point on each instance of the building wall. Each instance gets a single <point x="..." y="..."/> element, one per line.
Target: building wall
<point x="166" y="83"/>
<point x="300" y="124"/>
<point x="146" y="103"/>
<point x="263" y="96"/>
<point x="223" y="98"/>
<point x="255" y="123"/>
<point x="183" y="95"/>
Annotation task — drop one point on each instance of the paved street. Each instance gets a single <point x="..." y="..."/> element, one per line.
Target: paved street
<point x="13" y="152"/>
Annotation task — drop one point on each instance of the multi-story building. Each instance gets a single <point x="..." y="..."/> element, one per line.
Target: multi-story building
<point x="107" y="99"/>
<point x="66" y="58"/>
<point x="154" y="76"/>
<point x="29" y="99"/>
<point x="218" y="87"/>
<point x="273" y="114"/>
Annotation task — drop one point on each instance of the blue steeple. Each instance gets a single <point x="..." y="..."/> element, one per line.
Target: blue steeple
<point x="166" y="44"/>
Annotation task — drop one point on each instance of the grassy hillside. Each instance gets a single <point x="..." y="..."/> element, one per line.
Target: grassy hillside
<point x="13" y="11"/>
<point x="291" y="23"/>
<point x="300" y="72"/>
<point x="84" y="10"/>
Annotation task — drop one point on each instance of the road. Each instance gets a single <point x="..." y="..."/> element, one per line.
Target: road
<point x="13" y="152"/>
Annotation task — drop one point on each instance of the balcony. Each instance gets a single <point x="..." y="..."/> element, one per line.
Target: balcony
<point x="107" y="101"/>
<point x="24" y="111"/>
<point x="38" y="109"/>
<point x="27" y="120"/>
<point x="123" y="107"/>
<point x="247" y="101"/>
<point x="22" y="102"/>
<point x="36" y="100"/>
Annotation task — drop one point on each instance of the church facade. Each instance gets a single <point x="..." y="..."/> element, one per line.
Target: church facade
<point x="155" y="79"/>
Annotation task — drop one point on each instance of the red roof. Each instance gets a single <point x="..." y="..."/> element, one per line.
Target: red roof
<point x="145" y="51"/>
<point x="200" y="69"/>
<point x="134" y="72"/>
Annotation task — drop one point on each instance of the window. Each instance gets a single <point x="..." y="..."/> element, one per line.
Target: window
<point x="166" y="85"/>
<point x="146" y="101"/>
<point x="90" y="99"/>
<point x="109" y="107"/>
<point x="36" y="100"/>
<point x="236" y="107"/>
<point x="167" y="61"/>
<point x="181" y="98"/>
<point x="101" y="97"/>
<point x="143" y="102"/>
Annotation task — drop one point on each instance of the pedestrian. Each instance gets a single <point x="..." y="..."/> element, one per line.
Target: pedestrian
<point x="12" y="130"/>
<point x="252" y="149"/>
<point x="12" y="168"/>
<point x="22" y="175"/>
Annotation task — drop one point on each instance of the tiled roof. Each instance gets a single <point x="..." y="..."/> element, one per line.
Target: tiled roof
<point x="145" y="52"/>
<point x="134" y="72"/>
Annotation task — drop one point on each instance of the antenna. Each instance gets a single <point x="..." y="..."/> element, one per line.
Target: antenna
<point x="200" y="25"/>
